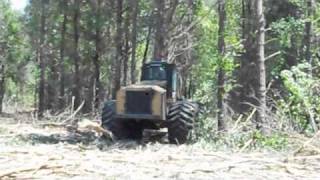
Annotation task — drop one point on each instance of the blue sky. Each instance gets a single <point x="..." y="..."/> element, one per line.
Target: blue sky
<point x="19" y="4"/>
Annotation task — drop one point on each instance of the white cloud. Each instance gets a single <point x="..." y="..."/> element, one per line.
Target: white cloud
<point x="19" y="4"/>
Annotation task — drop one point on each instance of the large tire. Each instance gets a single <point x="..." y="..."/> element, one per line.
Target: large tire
<point x="181" y="116"/>
<point x="121" y="129"/>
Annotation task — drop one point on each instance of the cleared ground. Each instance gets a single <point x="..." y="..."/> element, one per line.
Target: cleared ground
<point x="24" y="154"/>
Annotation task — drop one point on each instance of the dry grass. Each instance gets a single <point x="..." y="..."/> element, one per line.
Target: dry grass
<point x="23" y="159"/>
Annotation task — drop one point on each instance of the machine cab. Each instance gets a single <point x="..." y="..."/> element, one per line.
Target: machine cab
<point x="162" y="74"/>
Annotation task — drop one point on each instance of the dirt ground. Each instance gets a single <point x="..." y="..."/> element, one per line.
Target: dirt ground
<point x="23" y="157"/>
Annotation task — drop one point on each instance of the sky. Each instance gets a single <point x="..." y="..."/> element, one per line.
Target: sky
<point x="19" y="4"/>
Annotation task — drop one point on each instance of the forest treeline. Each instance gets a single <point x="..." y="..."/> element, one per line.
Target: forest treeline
<point x="233" y="55"/>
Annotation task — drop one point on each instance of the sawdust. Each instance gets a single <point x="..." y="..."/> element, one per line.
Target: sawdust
<point x="22" y="157"/>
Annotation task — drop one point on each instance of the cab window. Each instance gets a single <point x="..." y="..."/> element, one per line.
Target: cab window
<point x="154" y="73"/>
<point x="174" y="81"/>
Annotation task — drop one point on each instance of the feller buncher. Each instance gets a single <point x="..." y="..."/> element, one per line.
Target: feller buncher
<point x="153" y="103"/>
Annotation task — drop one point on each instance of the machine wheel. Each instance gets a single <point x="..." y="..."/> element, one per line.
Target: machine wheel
<point x="181" y="117"/>
<point x="121" y="129"/>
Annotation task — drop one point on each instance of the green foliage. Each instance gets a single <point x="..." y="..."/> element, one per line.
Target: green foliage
<point x="207" y="54"/>
<point x="286" y="36"/>
<point x="13" y="48"/>
<point x="303" y="101"/>
<point x="276" y="141"/>
<point x="204" y="128"/>
<point x="207" y="51"/>
<point x="286" y="28"/>
<point x="246" y="138"/>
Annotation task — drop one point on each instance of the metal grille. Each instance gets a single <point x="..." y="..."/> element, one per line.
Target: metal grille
<point x="138" y="102"/>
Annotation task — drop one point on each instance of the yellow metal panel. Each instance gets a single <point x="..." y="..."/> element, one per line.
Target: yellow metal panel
<point x="121" y="100"/>
<point x="158" y="104"/>
<point x="158" y="101"/>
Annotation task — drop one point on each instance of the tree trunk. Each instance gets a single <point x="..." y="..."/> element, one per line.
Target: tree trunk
<point x="308" y="54"/>
<point x="127" y="46"/>
<point x="62" y="55"/>
<point x="308" y="33"/>
<point x="251" y="74"/>
<point x="221" y="73"/>
<point x="261" y="93"/>
<point x="135" y="11"/>
<point x="76" y="57"/>
<point x="159" y="44"/>
<point x="146" y="50"/>
<point x="118" y="40"/>
<point x="2" y="85"/>
<point x="53" y="75"/>
<point x="96" y="59"/>
<point x="52" y="82"/>
<point x="244" y="96"/>
<point x="42" y="66"/>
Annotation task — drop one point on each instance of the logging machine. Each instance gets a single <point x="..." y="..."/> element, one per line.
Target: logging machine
<point x="153" y="103"/>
